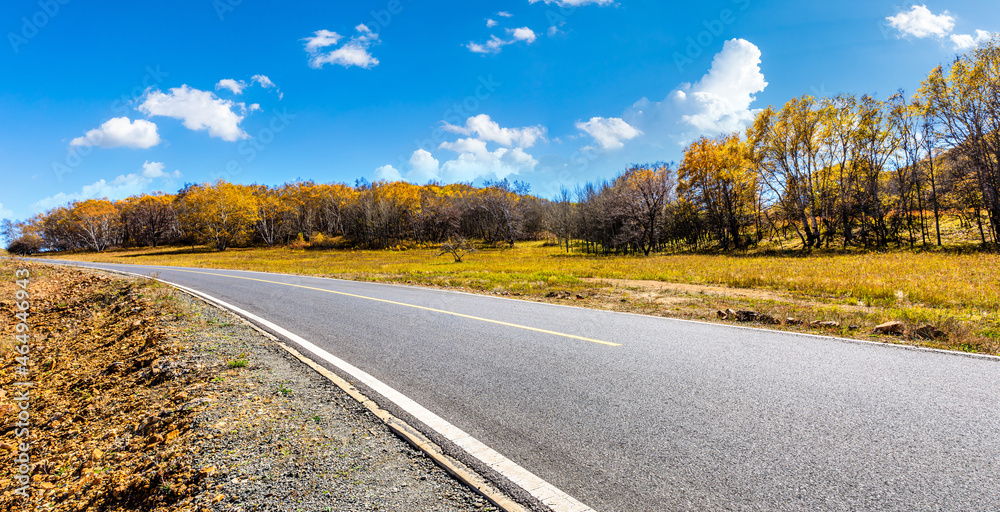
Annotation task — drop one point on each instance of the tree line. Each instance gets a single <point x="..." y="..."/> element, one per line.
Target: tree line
<point x="848" y="171"/>
<point x="370" y="215"/>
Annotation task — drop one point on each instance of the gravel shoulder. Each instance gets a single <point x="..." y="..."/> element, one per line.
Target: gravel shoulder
<point x="149" y="399"/>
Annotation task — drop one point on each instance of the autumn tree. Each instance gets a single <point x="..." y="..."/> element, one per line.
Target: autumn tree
<point x="95" y="223"/>
<point x="717" y="176"/>
<point x="963" y="101"/>
<point x="644" y="191"/>
<point x="500" y="211"/>
<point x="222" y="214"/>
<point x="273" y="214"/>
<point x="149" y="219"/>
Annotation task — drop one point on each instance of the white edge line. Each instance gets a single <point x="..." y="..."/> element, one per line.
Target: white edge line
<point x="548" y="494"/>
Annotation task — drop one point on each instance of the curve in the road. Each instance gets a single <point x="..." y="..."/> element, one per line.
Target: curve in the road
<point x="679" y="416"/>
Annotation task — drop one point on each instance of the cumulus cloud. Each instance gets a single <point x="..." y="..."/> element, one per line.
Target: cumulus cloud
<point x="236" y="86"/>
<point x="154" y="170"/>
<point x="523" y="34"/>
<point x="968" y="42"/>
<point x="352" y="53"/>
<point x="490" y="23"/>
<point x="123" y="186"/>
<point x="718" y="103"/>
<point x="388" y="173"/>
<point x="609" y="132"/>
<point x="473" y="158"/>
<point x="424" y="167"/>
<point x="487" y="129"/>
<point x="121" y="132"/>
<point x="198" y="110"/>
<point x="505" y="14"/>
<point x="920" y="22"/>
<point x="475" y="161"/>
<point x="495" y="44"/>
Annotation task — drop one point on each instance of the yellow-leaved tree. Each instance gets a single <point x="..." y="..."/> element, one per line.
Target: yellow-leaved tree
<point x="95" y="223"/>
<point x="222" y="214"/>
<point x="718" y="178"/>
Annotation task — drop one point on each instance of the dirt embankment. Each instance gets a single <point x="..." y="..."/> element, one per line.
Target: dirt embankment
<point x="143" y="398"/>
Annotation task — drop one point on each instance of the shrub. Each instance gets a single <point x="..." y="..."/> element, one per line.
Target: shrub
<point x="25" y="246"/>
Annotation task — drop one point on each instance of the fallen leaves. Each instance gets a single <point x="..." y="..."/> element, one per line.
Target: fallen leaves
<point x="105" y="429"/>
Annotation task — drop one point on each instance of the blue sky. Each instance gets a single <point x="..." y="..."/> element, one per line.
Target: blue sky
<point x="102" y="101"/>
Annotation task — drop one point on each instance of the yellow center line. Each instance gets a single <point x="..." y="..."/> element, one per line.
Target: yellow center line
<point x="452" y="313"/>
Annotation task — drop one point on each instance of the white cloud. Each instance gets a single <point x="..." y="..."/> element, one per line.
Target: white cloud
<point x="154" y="170"/>
<point x="388" y="173"/>
<point x="721" y="100"/>
<point x="236" y="86"/>
<point x="505" y="14"/>
<point x="718" y="103"/>
<point x="123" y="186"/>
<point x="352" y="53"/>
<point x="476" y="161"/>
<point x="492" y="46"/>
<point x="488" y="130"/>
<point x="424" y="167"/>
<point x="322" y="39"/>
<point x="573" y="3"/>
<point x="490" y="23"/>
<point x="199" y="110"/>
<point x="523" y="34"/>
<point x="121" y="132"/>
<point x="609" y="132"/>
<point x="495" y="44"/>
<point x="473" y="159"/>
<point x="920" y="22"/>
<point x="968" y="42"/>
<point x="264" y="81"/>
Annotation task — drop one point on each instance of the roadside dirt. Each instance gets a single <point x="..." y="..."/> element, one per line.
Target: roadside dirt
<point x="676" y="292"/>
<point x="144" y="398"/>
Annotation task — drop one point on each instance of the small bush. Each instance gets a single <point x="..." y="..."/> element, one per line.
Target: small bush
<point x="25" y="246"/>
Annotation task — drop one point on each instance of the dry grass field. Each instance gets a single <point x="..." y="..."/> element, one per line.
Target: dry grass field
<point x="956" y="291"/>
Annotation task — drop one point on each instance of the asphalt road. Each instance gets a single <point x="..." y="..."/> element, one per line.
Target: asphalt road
<point x="678" y="416"/>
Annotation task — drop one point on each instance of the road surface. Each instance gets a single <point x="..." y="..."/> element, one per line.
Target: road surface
<point x="632" y="413"/>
